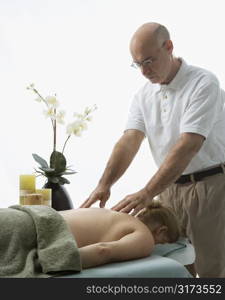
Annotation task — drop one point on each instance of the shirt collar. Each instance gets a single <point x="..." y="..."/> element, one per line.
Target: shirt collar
<point x="177" y="80"/>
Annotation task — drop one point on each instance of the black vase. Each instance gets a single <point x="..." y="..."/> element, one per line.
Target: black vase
<point x="60" y="197"/>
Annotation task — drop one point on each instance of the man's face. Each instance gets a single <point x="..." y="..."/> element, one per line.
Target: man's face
<point x="154" y="60"/>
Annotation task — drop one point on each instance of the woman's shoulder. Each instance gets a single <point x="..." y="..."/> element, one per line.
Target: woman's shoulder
<point x="134" y="223"/>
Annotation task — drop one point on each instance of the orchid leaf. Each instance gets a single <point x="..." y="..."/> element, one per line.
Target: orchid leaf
<point x="42" y="162"/>
<point x="68" y="173"/>
<point x="58" y="162"/>
<point x="53" y="179"/>
<point x="63" y="180"/>
<point x="49" y="170"/>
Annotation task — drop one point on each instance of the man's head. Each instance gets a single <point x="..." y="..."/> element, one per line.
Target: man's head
<point x="161" y="221"/>
<point x="151" y="50"/>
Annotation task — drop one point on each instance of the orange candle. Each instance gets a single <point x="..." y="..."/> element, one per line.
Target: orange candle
<point x="32" y="199"/>
<point x="47" y="196"/>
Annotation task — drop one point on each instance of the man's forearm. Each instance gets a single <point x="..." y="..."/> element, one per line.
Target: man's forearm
<point x="173" y="166"/>
<point x="120" y="159"/>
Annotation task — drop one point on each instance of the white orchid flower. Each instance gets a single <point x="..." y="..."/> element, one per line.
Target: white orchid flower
<point x="84" y="126"/>
<point x="50" y="113"/>
<point x="51" y="100"/>
<point x="73" y="129"/>
<point x="89" y="110"/>
<point x="30" y="87"/>
<point x="60" y="117"/>
<point x="94" y="108"/>
<point x="69" y="129"/>
<point x="78" y="116"/>
<point x="76" y="127"/>
<point x="89" y="118"/>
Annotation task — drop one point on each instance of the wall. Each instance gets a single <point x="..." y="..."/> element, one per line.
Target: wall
<point x="80" y="51"/>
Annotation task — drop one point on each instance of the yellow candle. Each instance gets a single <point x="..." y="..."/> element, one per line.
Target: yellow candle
<point x="27" y="182"/>
<point x="32" y="199"/>
<point x="47" y="196"/>
<point x="27" y="186"/>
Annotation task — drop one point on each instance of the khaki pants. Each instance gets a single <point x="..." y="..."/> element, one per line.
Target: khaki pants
<point x="200" y="208"/>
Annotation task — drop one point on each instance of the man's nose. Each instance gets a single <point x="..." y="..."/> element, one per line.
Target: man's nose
<point x="146" y="69"/>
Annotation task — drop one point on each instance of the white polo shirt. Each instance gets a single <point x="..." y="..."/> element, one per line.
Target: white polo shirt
<point x="192" y="102"/>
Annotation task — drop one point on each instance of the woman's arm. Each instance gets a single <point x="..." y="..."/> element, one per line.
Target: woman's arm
<point x="136" y="244"/>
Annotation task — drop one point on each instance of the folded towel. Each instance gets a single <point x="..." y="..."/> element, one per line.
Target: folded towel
<point x="35" y="241"/>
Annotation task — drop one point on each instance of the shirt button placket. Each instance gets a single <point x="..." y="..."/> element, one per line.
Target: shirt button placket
<point x="164" y="107"/>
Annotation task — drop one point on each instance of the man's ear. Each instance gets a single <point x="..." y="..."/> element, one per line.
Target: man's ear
<point x="169" y="46"/>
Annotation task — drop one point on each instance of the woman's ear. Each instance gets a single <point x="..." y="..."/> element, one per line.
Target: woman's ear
<point x="161" y="235"/>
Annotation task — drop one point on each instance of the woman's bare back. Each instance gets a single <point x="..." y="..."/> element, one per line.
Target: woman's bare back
<point x="94" y="225"/>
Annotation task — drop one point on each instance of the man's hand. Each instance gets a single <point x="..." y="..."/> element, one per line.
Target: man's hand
<point x="135" y="201"/>
<point x="121" y="157"/>
<point x="101" y="193"/>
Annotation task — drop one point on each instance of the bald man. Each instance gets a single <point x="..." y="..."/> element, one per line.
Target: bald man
<point x="181" y="111"/>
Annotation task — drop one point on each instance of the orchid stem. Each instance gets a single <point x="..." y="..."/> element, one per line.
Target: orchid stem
<point x="54" y="137"/>
<point x="65" y="143"/>
<point x="43" y="99"/>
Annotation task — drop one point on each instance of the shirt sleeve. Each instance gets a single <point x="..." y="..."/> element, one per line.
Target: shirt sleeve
<point x="135" y="118"/>
<point x="202" y="111"/>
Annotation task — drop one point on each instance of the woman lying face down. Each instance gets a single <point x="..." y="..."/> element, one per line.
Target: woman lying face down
<point x="105" y="235"/>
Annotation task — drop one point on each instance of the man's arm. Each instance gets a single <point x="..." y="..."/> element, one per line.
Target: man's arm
<point x="122" y="155"/>
<point x="175" y="163"/>
<point x="134" y="245"/>
<point x="173" y="166"/>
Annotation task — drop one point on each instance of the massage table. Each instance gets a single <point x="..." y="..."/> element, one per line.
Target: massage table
<point x="166" y="261"/>
<point x="33" y="251"/>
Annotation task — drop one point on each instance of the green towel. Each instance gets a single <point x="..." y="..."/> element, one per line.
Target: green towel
<point x="35" y="241"/>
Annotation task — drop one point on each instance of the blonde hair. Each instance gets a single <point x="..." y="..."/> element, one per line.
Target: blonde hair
<point x="156" y="213"/>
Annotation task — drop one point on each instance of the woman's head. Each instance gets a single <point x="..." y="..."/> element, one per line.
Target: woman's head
<point x="161" y="221"/>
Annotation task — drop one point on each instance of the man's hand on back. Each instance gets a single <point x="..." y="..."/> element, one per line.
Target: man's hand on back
<point x="101" y="193"/>
<point x="135" y="201"/>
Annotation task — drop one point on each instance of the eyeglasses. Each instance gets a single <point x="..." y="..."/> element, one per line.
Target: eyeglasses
<point x="147" y="62"/>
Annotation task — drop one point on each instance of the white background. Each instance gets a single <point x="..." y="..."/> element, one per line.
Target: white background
<point x="79" y="49"/>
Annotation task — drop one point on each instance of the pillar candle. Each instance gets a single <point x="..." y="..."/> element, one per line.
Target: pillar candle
<point x="27" y="182"/>
<point x="32" y="199"/>
<point x="47" y="196"/>
<point x="27" y="185"/>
